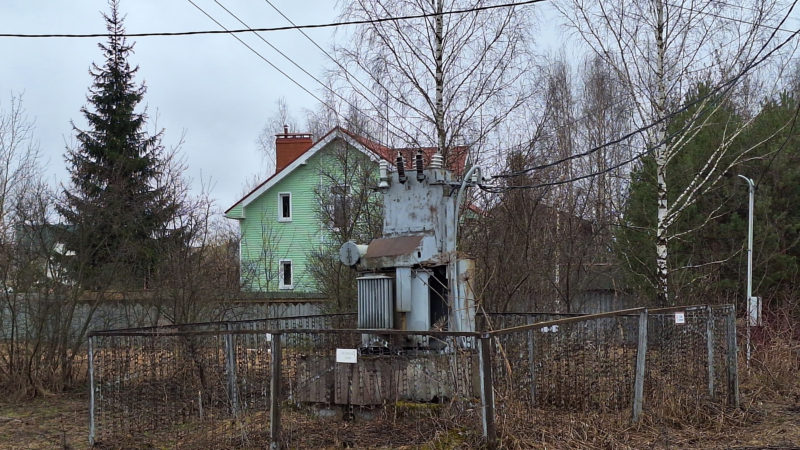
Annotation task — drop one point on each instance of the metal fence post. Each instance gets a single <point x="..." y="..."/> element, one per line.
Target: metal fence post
<point x="532" y="362"/>
<point x="274" y="392"/>
<point x="91" y="391"/>
<point x="641" y="355"/>
<point x="487" y="390"/>
<point x="230" y="368"/>
<point x="710" y="349"/>
<point x="732" y="359"/>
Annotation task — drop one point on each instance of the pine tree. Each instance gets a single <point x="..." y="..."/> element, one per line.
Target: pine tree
<point x="116" y="213"/>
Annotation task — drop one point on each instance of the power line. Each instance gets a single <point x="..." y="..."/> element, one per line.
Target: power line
<point x="260" y="56"/>
<point x="288" y="58"/>
<point x="284" y="28"/>
<point x="348" y="73"/>
<point x="727" y="85"/>
<point x="732" y="19"/>
<point x="647" y="151"/>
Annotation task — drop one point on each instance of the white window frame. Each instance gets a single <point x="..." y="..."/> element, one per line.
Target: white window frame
<point x="281" y="284"/>
<point x="281" y="195"/>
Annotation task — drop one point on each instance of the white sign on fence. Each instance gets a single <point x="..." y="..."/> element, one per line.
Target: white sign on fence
<point x="680" y="318"/>
<point x="346" y="355"/>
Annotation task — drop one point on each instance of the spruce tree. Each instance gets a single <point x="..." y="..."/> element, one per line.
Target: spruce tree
<point x="116" y="213"/>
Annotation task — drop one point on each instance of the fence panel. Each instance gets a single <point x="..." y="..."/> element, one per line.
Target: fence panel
<point x="686" y="362"/>
<point x="398" y="393"/>
<point x="577" y="366"/>
<point x="191" y="384"/>
<point x="166" y="389"/>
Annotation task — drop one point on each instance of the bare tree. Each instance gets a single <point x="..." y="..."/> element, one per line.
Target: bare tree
<point x="605" y="116"/>
<point x="551" y="235"/>
<point x="37" y="317"/>
<point x="19" y="159"/>
<point x="660" y="50"/>
<point x="453" y="77"/>
<point x="199" y="274"/>
<point x="266" y="139"/>
<point x="348" y="209"/>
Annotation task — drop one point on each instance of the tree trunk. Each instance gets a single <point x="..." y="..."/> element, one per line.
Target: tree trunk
<point x="661" y="163"/>
<point x="439" y="57"/>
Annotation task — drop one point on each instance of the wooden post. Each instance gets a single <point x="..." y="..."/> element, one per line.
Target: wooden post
<point x="532" y="362"/>
<point x="91" y="391"/>
<point x="275" y="392"/>
<point x="710" y="349"/>
<point x="641" y="355"/>
<point x="487" y="391"/>
<point x="230" y="368"/>
<point x="732" y="359"/>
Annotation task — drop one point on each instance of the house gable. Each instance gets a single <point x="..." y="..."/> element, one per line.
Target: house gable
<point x="269" y="239"/>
<point x="237" y="211"/>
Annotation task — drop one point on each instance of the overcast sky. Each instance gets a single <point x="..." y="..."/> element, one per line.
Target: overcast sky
<point x="211" y="86"/>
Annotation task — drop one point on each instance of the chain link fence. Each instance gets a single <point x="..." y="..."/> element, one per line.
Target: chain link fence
<point x="314" y="381"/>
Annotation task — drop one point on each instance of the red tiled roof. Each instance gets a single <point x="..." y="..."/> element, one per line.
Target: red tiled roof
<point x="458" y="155"/>
<point x="456" y="164"/>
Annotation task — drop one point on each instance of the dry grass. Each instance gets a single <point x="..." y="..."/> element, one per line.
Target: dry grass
<point x="47" y="422"/>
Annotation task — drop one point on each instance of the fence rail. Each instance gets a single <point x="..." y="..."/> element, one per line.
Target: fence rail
<point x="282" y="381"/>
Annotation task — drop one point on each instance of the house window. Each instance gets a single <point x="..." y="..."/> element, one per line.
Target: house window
<point x="340" y="202"/>
<point x="284" y="207"/>
<point x="285" y="275"/>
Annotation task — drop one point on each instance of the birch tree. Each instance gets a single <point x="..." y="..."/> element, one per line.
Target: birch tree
<point x="453" y="77"/>
<point x="659" y="50"/>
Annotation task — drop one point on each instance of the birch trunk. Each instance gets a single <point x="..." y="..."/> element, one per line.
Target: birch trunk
<point x="439" y="60"/>
<point x="662" y="267"/>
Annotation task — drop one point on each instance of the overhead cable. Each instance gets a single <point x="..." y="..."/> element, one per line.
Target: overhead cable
<point x="284" y="28"/>
<point x="723" y="88"/>
<point x="288" y="58"/>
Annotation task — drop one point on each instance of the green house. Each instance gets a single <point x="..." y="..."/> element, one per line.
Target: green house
<point x="280" y="221"/>
<point x="290" y="214"/>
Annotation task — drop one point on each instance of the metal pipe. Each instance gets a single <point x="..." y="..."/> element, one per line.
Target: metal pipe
<point x="91" y="392"/>
<point x="641" y="360"/>
<point x="748" y="308"/>
<point x="487" y="391"/>
<point x="454" y="264"/>
<point x="275" y="391"/>
<point x="710" y="351"/>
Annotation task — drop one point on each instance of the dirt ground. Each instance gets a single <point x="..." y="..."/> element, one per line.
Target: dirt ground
<point x="58" y="421"/>
<point x="61" y="421"/>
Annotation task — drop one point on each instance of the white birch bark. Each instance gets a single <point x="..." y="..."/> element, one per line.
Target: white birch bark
<point x="660" y="50"/>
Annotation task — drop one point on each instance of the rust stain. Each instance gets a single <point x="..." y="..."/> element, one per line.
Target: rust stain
<point x="396" y="246"/>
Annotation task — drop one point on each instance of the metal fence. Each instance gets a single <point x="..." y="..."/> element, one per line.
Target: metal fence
<point x="299" y="382"/>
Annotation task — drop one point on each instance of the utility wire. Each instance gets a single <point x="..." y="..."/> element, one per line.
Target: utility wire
<point x="289" y="77"/>
<point x="647" y="151"/>
<point x="347" y="72"/>
<point x="288" y="58"/>
<point x="269" y="29"/>
<point x="732" y="19"/>
<point x="722" y="88"/>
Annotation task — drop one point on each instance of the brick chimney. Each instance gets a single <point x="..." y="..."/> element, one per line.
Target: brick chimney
<point x="289" y="146"/>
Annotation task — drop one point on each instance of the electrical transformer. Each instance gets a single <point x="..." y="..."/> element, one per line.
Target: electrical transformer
<point x="411" y="278"/>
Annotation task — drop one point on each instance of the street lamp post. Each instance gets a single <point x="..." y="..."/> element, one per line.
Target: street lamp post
<point x="752" y="312"/>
